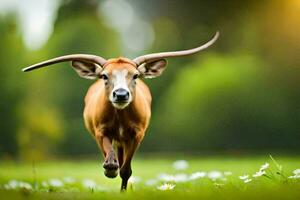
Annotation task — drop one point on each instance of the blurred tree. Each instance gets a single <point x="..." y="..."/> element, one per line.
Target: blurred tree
<point x="11" y="56"/>
<point x="40" y="132"/>
<point x="245" y="30"/>
<point x="183" y="25"/>
<point x="228" y="103"/>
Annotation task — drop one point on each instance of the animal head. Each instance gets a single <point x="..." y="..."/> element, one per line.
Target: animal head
<point x="120" y="74"/>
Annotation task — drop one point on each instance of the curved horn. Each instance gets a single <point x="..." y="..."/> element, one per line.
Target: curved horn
<point x="80" y="57"/>
<point x="156" y="56"/>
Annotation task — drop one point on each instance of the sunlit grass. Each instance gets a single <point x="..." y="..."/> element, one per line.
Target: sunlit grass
<point x="219" y="177"/>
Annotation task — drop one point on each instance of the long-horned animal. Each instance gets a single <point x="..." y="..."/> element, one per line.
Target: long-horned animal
<point x="118" y="105"/>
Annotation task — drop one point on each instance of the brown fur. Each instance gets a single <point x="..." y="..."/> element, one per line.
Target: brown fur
<point x="126" y="127"/>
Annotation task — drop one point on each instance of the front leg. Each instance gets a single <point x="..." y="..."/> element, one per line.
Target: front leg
<point x="110" y="164"/>
<point x="130" y="147"/>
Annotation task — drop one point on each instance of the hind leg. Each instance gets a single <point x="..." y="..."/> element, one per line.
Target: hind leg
<point x="120" y="155"/>
<point x="125" y="169"/>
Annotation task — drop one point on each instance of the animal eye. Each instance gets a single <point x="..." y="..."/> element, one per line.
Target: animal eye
<point x="135" y="76"/>
<point x="104" y="76"/>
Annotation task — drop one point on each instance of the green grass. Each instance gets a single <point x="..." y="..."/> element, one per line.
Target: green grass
<point x="275" y="186"/>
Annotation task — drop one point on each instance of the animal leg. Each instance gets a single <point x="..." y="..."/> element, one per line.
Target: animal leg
<point x="110" y="164"/>
<point x="125" y="170"/>
<point x="120" y="155"/>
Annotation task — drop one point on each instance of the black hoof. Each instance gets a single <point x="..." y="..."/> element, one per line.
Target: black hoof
<point x="111" y="173"/>
<point x="111" y="167"/>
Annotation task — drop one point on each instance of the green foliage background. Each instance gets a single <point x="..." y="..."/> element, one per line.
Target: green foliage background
<point x="240" y="95"/>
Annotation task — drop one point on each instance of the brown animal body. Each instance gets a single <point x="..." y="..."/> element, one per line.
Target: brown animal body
<point x="118" y="106"/>
<point x="126" y="127"/>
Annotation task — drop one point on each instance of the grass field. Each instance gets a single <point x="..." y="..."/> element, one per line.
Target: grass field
<point x="198" y="178"/>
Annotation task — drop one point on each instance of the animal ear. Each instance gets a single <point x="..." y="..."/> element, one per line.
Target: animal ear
<point x="87" y="70"/>
<point x="152" y="69"/>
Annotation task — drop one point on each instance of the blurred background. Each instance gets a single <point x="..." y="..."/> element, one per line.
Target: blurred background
<point x="239" y="96"/>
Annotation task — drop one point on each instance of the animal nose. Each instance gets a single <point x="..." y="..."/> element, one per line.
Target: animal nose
<point x="121" y="95"/>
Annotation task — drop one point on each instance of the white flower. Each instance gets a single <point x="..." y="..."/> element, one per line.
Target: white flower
<point x="25" y="185"/>
<point x="151" y="182"/>
<point x="88" y="183"/>
<point x="247" y="180"/>
<point x="166" y="186"/>
<point x="69" y="180"/>
<point x="296" y="171"/>
<point x="134" y="179"/>
<point x="228" y="173"/>
<point x="166" y="177"/>
<point x="259" y="173"/>
<point x="14" y="184"/>
<point x="173" y="178"/>
<point x="197" y="175"/>
<point x="180" y="165"/>
<point x="213" y="175"/>
<point x="296" y="176"/>
<point x="264" y="167"/>
<point x="55" y="183"/>
<point x="244" y="177"/>
<point x="180" y="178"/>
